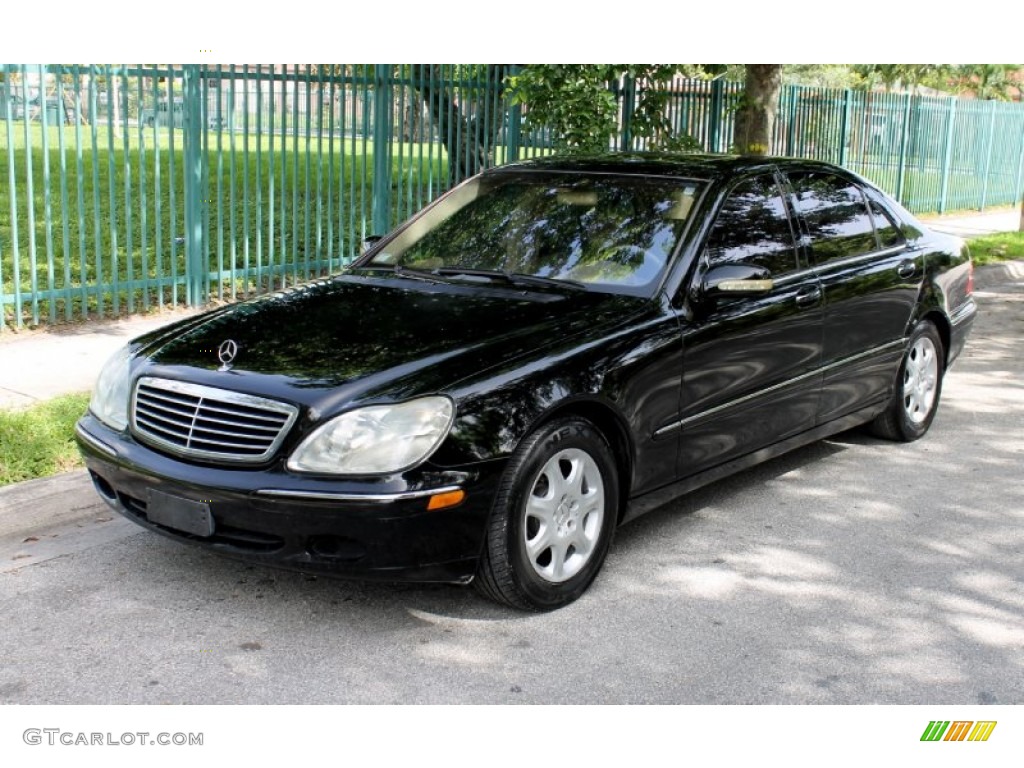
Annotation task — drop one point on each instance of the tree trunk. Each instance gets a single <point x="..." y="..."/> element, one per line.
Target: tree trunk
<point x="414" y="124"/>
<point x="755" y="119"/>
<point x="1021" y="229"/>
<point x="83" y="99"/>
<point x="69" y="95"/>
<point x="462" y="131"/>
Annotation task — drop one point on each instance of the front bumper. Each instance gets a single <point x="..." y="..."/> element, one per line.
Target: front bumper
<point x="374" y="529"/>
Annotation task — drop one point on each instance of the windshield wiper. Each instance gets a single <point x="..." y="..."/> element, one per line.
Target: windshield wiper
<point x="513" y="278"/>
<point x="420" y="274"/>
<point x="411" y="272"/>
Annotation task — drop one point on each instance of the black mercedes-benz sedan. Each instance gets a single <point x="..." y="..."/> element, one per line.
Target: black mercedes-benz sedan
<point x="545" y="352"/>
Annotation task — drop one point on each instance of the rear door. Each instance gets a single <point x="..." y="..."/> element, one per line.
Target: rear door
<point x="750" y="364"/>
<point x="871" y="280"/>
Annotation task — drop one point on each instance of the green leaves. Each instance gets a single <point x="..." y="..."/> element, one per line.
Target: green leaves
<point x="984" y="81"/>
<point x="573" y="100"/>
<point x="579" y="104"/>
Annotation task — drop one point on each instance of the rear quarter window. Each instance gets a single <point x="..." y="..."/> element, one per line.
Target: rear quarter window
<point x="889" y="234"/>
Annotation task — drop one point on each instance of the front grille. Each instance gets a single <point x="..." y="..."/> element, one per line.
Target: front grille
<point x="209" y="423"/>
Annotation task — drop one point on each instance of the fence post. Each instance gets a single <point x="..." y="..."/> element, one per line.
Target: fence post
<point x="382" y="120"/>
<point x="194" y="245"/>
<point x="13" y="198"/>
<point x="792" y="91"/>
<point x="844" y="127"/>
<point x="513" y="126"/>
<point x="715" y="114"/>
<point x="628" y="105"/>
<point x="947" y="154"/>
<point x="988" y="154"/>
<point x="904" y="133"/>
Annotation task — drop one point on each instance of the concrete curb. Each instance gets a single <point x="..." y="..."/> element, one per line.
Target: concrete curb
<point x="37" y="505"/>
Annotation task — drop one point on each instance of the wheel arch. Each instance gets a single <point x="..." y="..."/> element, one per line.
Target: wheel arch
<point x="945" y="329"/>
<point x="930" y="306"/>
<point x="612" y="426"/>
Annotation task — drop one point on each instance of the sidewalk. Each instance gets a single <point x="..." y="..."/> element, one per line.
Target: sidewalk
<point x="41" y="364"/>
<point x="38" y="365"/>
<point x="975" y="224"/>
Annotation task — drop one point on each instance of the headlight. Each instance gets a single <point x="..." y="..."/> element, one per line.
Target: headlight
<point x="109" y="401"/>
<point x="376" y="439"/>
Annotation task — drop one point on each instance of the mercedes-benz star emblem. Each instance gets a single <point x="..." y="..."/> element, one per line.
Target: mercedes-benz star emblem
<point x="226" y="354"/>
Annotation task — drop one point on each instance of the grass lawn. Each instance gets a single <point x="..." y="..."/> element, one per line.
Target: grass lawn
<point x="116" y="216"/>
<point x="1004" y="246"/>
<point x="40" y="441"/>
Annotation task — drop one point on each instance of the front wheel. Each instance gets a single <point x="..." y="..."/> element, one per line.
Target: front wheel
<point x="553" y="518"/>
<point x="918" y="386"/>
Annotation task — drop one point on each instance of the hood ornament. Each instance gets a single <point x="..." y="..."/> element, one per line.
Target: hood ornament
<point x="226" y="354"/>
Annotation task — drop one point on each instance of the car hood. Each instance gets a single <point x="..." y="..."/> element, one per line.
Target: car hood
<point x="359" y="336"/>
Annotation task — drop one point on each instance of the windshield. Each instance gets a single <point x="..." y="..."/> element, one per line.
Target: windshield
<point x="615" y="232"/>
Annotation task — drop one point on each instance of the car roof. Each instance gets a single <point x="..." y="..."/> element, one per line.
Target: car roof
<point x="691" y="166"/>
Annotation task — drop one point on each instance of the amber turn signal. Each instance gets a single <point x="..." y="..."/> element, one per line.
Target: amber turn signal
<point x="445" y="500"/>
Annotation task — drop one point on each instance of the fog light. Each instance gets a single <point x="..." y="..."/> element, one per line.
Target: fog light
<point x="445" y="500"/>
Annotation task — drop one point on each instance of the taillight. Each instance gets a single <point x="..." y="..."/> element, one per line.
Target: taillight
<point x="970" y="278"/>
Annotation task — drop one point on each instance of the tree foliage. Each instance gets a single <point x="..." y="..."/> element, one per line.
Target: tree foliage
<point x="986" y="81"/>
<point x="983" y="81"/>
<point x="893" y="76"/>
<point x="820" y="75"/>
<point x="579" y="104"/>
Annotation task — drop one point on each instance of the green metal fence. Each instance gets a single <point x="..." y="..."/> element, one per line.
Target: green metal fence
<point x="932" y="153"/>
<point x="125" y="188"/>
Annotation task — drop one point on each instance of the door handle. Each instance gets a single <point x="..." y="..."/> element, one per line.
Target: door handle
<point x="808" y="296"/>
<point x="906" y="269"/>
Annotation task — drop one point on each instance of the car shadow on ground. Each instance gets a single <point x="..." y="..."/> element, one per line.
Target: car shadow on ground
<point x="259" y="582"/>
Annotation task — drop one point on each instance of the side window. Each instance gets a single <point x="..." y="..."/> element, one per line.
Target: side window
<point x="836" y="214"/>
<point x="753" y="228"/>
<point x="889" y="234"/>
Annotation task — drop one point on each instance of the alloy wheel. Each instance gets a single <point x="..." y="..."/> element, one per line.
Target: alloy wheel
<point x="563" y="515"/>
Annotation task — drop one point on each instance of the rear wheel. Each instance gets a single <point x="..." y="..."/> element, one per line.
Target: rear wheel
<point x="918" y="386"/>
<point x="553" y="518"/>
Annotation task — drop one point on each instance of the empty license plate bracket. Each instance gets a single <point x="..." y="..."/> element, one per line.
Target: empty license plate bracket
<point x="180" y="514"/>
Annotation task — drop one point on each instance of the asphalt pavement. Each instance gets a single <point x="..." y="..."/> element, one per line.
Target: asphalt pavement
<point x="854" y="570"/>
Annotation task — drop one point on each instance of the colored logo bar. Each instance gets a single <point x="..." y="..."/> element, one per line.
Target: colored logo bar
<point x="958" y="730"/>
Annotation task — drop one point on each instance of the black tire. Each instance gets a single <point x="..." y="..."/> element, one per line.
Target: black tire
<point x="516" y="569"/>
<point x="911" y="411"/>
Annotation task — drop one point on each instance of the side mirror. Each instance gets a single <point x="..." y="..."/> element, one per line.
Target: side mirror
<point x="727" y="280"/>
<point x="369" y="241"/>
